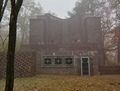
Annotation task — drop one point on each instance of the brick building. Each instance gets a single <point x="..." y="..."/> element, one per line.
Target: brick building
<point x="71" y="46"/>
<point x="77" y="40"/>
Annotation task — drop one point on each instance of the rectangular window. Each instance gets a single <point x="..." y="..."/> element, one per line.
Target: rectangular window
<point x="69" y="61"/>
<point x="58" y="61"/>
<point x="47" y="61"/>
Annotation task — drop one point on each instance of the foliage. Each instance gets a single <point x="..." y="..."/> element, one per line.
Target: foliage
<point x="83" y="7"/>
<point x="117" y="40"/>
<point x="28" y="10"/>
<point x="117" y="32"/>
<point x="115" y="5"/>
<point x="108" y="22"/>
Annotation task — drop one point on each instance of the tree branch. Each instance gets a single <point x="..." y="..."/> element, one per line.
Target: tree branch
<point x="2" y="9"/>
<point x="18" y="5"/>
<point x="1" y="4"/>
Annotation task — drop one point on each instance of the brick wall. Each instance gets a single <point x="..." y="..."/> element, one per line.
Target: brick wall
<point x="49" y="29"/>
<point x="109" y="70"/>
<point x="25" y="63"/>
<point x="66" y="70"/>
<point x="62" y="69"/>
<point x="94" y="35"/>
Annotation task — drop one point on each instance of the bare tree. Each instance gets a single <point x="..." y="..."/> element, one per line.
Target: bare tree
<point x="15" y="7"/>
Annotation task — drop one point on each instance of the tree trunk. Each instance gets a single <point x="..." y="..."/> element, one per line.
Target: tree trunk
<point x="11" y="51"/>
<point x="118" y="58"/>
<point x="15" y="8"/>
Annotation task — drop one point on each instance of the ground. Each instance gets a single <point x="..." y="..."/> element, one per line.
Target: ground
<point x="66" y="83"/>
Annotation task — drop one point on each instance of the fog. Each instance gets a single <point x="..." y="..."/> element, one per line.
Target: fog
<point x="59" y="7"/>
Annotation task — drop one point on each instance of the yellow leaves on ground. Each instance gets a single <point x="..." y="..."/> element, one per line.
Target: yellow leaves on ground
<point x="66" y="83"/>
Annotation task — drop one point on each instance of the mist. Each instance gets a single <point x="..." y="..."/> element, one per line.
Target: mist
<point x="59" y="7"/>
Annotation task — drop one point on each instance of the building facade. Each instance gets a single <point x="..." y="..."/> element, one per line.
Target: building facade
<point x="57" y="41"/>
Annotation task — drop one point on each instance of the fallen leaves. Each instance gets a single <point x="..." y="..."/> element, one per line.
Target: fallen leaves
<point x="66" y="83"/>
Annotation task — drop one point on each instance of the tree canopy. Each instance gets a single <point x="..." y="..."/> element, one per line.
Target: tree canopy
<point x="86" y="7"/>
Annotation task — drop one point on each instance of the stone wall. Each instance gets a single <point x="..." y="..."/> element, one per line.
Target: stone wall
<point x="25" y="64"/>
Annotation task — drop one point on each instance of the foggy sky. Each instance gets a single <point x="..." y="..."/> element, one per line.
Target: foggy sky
<point x="59" y="7"/>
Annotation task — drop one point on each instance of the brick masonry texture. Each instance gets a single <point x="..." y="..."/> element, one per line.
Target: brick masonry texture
<point x="24" y="64"/>
<point x="48" y="30"/>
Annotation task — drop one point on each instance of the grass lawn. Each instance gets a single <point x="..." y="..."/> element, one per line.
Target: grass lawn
<point x="66" y="83"/>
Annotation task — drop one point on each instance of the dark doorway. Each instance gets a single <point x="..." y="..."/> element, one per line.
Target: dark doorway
<point x="85" y="66"/>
